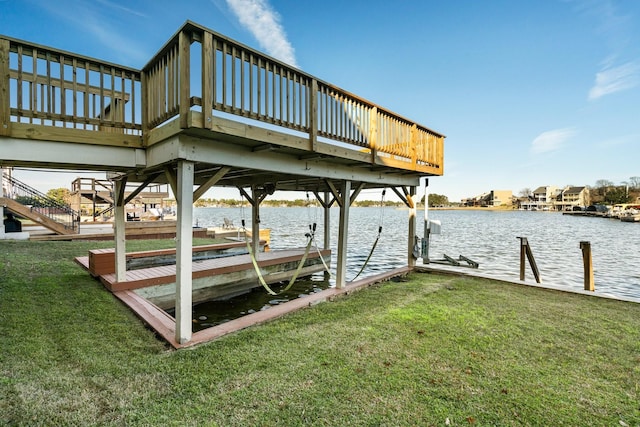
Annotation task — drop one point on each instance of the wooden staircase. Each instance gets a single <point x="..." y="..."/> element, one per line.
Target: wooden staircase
<point x="35" y="216"/>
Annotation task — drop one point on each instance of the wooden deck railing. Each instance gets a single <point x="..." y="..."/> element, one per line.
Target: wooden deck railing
<point x="199" y="71"/>
<point x="54" y="88"/>
<point x="224" y="75"/>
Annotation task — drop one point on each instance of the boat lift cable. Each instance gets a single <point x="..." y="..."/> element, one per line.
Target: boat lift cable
<point x="254" y="261"/>
<point x="375" y="243"/>
<point x="313" y="234"/>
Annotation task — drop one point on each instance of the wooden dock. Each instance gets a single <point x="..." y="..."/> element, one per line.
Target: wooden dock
<point x="215" y="278"/>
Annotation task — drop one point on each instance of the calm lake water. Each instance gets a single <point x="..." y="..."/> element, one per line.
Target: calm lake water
<point x="487" y="237"/>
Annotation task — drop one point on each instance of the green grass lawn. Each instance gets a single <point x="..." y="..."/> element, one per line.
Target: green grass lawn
<point x="431" y="350"/>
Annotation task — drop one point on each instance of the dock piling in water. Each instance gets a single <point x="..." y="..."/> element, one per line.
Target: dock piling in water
<point x="588" y="266"/>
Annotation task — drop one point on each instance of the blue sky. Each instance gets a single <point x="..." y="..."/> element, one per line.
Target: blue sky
<point x="529" y="93"/>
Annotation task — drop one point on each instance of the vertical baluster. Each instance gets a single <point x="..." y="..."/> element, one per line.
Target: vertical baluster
<point x="274" y="107"/>
<point x="165" y="76"/>
<point x="102" y="106"/>
<point x="260" y="73"/>
<point x="63" y="95"/>
<point x="224" y="73"/>
<point x="243" y="83"/>
<point x="214" y="70"/>
<point x="251" y="85"/>
<point x="49" y="89"/>
<point x="19" y="83"/>
<point x="86" y="94"/>
<point x="234" y="105"/>
<point x="74" y="92"/>
<point x="33" y="85"/>
<point x="133" y="99"/>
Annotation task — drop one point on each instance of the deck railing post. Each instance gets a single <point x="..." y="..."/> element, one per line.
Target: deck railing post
<point x="413" y="145"/>
<point x="588" y="266"/>
<point x="144" y="107"/>
<point x="184" y="47"/>
<point x="207" y="80"/>
<point x="313" y="115"/>
<point x="373" y="133"/>
<point x="5" y="98"/>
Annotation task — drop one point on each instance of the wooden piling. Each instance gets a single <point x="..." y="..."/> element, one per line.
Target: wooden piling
<point x="588" y="266"/>
<point x="525" y="249"/>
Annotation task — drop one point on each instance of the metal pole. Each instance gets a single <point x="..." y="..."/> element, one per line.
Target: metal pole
<point x="588" y="266"/>
<point x="427" y="229"/>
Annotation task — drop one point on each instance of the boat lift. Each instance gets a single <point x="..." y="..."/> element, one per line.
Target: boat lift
<point x="435" y="227"/>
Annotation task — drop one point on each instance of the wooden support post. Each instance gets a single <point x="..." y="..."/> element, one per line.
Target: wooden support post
<point x="5" y="98"/>
<point x="525" y="249"/>
<point x="343" y="234"/>
<point x="411" y="259"/>
<point x="184" y="243"/>
<point x="119" y="230"/>
<point x="588" y="266"/>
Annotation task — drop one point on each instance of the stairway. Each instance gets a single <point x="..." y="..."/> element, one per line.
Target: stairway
<point x="29" y="203"/>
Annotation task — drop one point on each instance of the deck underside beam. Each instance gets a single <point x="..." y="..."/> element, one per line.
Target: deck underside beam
<point x="64" y="155"/>
<point x="238" y="156"/>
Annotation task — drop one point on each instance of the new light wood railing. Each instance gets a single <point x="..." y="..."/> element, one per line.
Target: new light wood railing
<point x="197" y="71"/>
<point x="49" y="87"/>
<point x="200" y="70"/>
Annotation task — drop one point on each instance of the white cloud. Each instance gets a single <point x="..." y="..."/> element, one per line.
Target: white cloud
<point x="122" y="8"/>
<point x="551" y="140"/>
<point x="621" y="140"/>
<point x="615" y="79"/>
<point x="264" y="24"/>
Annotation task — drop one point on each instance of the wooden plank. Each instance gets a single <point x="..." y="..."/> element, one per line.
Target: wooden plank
<point x="207" y="80"/>
<point x="47" y="80"/>
<point x="156" y="318"/>
<point x="5" y="99"/>
<point x="152" y="276"/>
<point x="185" y="74"/>
<point x="82" y="136"/>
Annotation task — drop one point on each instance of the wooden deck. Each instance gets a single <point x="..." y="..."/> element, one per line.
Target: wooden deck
<point x="249" y="112"/>
<point x="207" y="111"/>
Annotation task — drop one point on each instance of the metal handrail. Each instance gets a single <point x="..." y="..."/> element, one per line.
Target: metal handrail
<point x="41" y="203"/>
